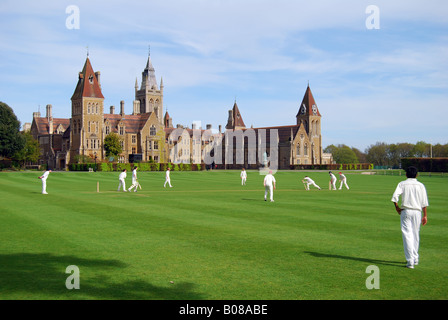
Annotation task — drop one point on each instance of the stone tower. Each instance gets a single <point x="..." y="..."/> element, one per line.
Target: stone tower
<point x="86" y="123"/>
<point x="309" y="117"/>
<point x="149" y="96"/>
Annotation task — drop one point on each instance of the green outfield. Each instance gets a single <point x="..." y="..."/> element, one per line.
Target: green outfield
<point x="210" y="238"/>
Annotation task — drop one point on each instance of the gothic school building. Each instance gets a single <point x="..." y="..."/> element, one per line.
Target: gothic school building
<point x="147" y="134"/>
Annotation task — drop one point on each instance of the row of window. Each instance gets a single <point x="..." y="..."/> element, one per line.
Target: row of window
<point x="92" y="108"/>
<point x="95" y="125"/>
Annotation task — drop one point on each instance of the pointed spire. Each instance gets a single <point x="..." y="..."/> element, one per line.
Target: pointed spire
<point x="308" y="106"/>
<point x="235" y="119"/>
<point x="88" y="84"/>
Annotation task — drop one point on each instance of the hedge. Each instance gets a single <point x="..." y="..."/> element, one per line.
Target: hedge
<point x="334" y="166"/>
<point x="426" y="164"/>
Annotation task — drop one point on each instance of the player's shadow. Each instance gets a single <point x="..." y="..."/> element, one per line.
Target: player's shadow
<point x="25" y="276"/>
<point x="367" y="260"/>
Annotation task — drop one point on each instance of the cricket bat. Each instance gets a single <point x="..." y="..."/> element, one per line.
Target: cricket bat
<point x="329" y="185"/>
<point x="139" y="185"/>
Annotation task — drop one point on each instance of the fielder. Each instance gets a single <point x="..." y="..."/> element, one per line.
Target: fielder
<point x="343" y="181"/>
<point x="134" y="180"/>
<point x="121" y="178"/>
<point x="309" y="182"/>
<point x="167" y="178"/>
<point x="269" y="186"/>
<point x="44" y="177"/>
<point x="414" y="200"/>
<point x="332" y="185"/>
<point x="243" y="176"/>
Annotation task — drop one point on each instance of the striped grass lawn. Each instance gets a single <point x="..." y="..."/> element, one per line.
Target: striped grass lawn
<point x="210" y="238"/>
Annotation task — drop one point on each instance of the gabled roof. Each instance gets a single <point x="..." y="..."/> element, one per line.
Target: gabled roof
<point x="133" y="123"/>
<point x="307" y="104"/>
<point x="88" y="85"/>
<point x="42" y="124"/>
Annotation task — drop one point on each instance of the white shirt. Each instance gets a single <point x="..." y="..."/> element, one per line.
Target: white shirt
<point x="45" y="175"/>
<point x="167" y="175"/>
<point x="413" y="194"/>
<point x="308" y="179"/>
<point x="342" y="176"/>
<point x="269" y="180"/>
<point x="333" y="178"/>
<point x="243" y="174"/>
<point x="134" y="174"/>
<point x="122" y="176"/>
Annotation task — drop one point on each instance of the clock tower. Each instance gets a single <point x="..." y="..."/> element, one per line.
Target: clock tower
<point x="310" y="118"/>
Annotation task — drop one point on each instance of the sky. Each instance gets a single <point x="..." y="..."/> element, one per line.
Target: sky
<point x="378" y="74"/>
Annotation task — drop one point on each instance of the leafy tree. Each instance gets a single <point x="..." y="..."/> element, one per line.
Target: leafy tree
<point x="378" y="154"/>
<point x="421" y="149"/>
<point x="11" y="141"/>
<point x="342" y="154"/>
<point x="440" y="150"/>
<point x="30" y="152"/>
<point x="360" y="155"/>
<point x="112" y="145"/>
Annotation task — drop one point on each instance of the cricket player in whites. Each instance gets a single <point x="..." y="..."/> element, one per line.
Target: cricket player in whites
<point x="414" y="200"/>
<point x="44" y="181"/>
<point x="269" y="186"/>
<point x="343" y="181"/>
<point x="167" y="178"/>
<point x="243" y="176"/>
<point x="332" y="182"/>
<point x="134" y="180"/>
<point x="121" y="178"/>
<point x="309" y="182"/>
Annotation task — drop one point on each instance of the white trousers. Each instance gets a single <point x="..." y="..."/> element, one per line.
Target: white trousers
<point x="167" y="181"/>
<point x="122" y="183"/>
<point x="243" y="181"/>
<point x="269" y="189"/>
<point x="343" y="182"/>
<point x="410" y="230"/>
<point x="44" y="186"/>
<point x="134" y="185"/>
<point x="313" y="184"/>
<point x="333" y="184"/>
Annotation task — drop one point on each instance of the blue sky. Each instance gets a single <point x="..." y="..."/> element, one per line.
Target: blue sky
<point x="371" y="85"/>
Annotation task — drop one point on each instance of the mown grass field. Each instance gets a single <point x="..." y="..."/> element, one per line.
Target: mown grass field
<point x="210" y="238"/>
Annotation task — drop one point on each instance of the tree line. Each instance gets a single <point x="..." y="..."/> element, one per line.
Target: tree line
<point x="385" y="154"/>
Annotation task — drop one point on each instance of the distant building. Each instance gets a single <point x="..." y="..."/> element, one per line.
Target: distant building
<point x="149" y="135"/>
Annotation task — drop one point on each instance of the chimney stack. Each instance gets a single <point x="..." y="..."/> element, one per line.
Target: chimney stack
<point x="49" y="107"/>
<point x="112" y="109"/>
<point x="122" y="108"/>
